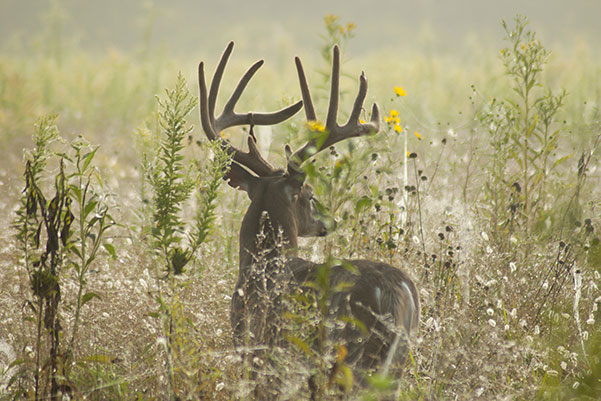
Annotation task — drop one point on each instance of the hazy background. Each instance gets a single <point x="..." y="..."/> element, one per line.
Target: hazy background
<point x="184" y="27"/>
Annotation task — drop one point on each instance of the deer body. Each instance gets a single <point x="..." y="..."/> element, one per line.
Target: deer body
<point x="382" y="298"/>
<point x="379" y="295"/>
<point x="282" y="208"/>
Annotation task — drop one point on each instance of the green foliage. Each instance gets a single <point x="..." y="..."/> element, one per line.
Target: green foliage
<point x="43" y="234"/>
<point x="207" y="194"/>
<point x="524" y="136"/>
<point x="171" y="182"/>
<point x="176" y="240"/>
<point x="92" y="222"/>
<point x="48" y="241"/>
<point x="563" y="382"/>
<point x="101" y="375"/>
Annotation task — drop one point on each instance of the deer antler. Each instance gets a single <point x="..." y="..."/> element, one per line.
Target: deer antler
<point x="336" y="133"/>
<point x="213" y="126"/>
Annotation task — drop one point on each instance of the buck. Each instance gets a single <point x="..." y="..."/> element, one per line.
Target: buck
<point x="282" y="208"/>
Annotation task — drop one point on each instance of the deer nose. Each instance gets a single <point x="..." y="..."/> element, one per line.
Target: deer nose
<point x="328" y="224"/>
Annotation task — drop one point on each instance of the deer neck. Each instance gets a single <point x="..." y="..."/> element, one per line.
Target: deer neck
<point x="266" y="233"/>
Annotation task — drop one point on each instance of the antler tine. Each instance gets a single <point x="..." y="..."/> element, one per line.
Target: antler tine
<point x="213" y="126"/>
<point x="353" y="122"/>
<point x="334" y="91"/>
<point x="336" y="133"/>
<point x="228" y="114"/>
<point x="217" y="79"/>
<point x="229" y="118"/>
<point x="205" y="116"/>
<point x="306" y="94"/>
<point x="358" y="105"/>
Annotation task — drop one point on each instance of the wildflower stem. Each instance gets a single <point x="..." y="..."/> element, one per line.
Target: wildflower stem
<point x="419" y="210"/>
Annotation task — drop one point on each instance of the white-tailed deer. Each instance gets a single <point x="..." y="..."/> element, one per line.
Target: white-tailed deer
<point x="282" y="208"/>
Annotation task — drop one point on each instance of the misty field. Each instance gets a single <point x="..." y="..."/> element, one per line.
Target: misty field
<point x="483" y="184"/>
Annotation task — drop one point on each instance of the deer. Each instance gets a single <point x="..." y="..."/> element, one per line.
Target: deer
<point x="383" y="298"/>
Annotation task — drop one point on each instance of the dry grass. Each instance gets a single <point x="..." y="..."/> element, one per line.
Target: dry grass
<point x="481" y="336"/>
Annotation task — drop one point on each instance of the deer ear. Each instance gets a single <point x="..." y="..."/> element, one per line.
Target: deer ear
<point x="237" y="177"/>
<point x="294" y="183"/>
<point x="296" y="176"/>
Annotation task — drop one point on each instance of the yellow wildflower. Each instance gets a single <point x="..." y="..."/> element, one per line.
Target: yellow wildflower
<point x="394" y="113"/>
<point x="400" y="91"/>
<point x="388" y="119"/>
<point x="362" y="121"/>
<point x="398" y="128"/>
<point x="316" y="126"/>
<point x="396" y="120"/>
<point x="330" y="19"/>
<point x="418" y="135"/>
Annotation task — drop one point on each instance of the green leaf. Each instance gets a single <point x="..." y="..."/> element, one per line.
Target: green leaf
<point x="381" y="382"/>
<point x="90" y="260"/>
<point x="300" y="344"/>
<point x="561" y="160"/>
<point x="91" y="205"/>
<point x="110" y="249"/>
<point x="362" y="204"/>
<point x="87" y="158"/>
<point x="77" y="191"/>
<point x="88" y="296"/>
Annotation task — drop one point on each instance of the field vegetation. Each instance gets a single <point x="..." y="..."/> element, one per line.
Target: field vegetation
<point x="119" y="247"/>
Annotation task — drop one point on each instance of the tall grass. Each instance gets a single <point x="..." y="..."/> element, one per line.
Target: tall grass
<point x="509" y="281"/>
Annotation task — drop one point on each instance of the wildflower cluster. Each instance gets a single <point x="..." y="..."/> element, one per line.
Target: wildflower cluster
<point x="394" y="121"/>
<point x="336" y="33"/>
<point x="522" y="49"/>
<point x="333" y="26"/>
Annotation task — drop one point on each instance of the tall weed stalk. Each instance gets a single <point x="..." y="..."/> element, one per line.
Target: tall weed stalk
<point x="175" y="237"/>
<point x="524" y="136"/>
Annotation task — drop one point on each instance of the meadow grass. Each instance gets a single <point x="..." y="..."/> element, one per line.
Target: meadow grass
<point x="510" y="306"/>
